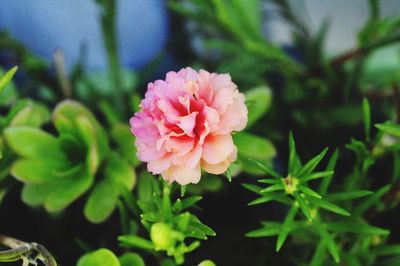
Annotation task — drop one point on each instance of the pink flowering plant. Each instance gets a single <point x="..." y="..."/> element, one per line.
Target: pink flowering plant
<point x="191" y="165"/>
<point x="185" y="125"/>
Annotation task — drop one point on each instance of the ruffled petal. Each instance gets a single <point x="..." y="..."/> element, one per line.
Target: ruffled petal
<point x="217" y="148"/>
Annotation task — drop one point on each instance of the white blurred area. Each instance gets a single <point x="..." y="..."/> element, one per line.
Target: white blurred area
<point x="345" y="17"/>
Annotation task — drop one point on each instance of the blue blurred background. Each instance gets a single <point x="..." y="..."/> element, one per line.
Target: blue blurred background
<point x="73" y="27"/>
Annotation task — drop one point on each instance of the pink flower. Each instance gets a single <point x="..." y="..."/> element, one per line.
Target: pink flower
<point x="185" y="125"/>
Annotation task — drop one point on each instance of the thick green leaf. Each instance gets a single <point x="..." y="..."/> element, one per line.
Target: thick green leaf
<point x="147" y="186"/>
<point x="131" y="259"/>
<point x="258" y="102"/>
<point x="6" y="78"/>
<point x="36" y="194"/>
<point x="35" y="171"/>
<point x="32" y="114"/>
<point x="101" y="257"/>
<point x="255" y="147"/>
<point x="67" y="191"/>
<point x="88" y="134"/>
<point x="207" y="263"/>
<point x="65" y="117"/>
<point x="381" y="67"/>
<point x="122" y="136"/>
<point x="286" y="227"/>
<point x="135" y="242"/>
<point x="34" y="143"/>
<point x="102" y="201"/>
<point x="119" y="172"/>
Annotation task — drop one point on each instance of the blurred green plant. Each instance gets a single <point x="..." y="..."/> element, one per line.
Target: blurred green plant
<point x="56" y="170"/>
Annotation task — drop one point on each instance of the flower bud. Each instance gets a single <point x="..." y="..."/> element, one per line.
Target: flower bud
<point x="162" y="236"/>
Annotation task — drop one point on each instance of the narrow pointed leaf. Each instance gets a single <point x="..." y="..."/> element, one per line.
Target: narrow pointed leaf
<point x="330" y="167"/>
<point x="303" y="206"/>
<point x="390" y="128"/>
<point x="388" y="250"/>
<point x="329" y="206"/>
<point x="367" y="118"/>
<point x="271" y="229"/>
<point x="348" y="195"/>
<point x="316" y="175"/>
<point x="269" y="181"/>
<point x="286" y="227"/>
<point x="6" y="78"/>
<point x="309" y="192"/>
<point x="272" y="188"/>
<point x="329" y="242"/>
<point x="253" y="188"/>
<point x="294" y="163"/>
<point x="267" y="169"/>
<point x="368" y="203"/>
<point x="319" y="255"/>
<point x="310" y="165"/>
<point x="280" y="197"/>
<point x="356" y="227"/>
<point x="135" y="242"/>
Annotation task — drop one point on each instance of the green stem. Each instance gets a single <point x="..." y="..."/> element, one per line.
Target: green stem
<point x="108" y="26"/>
<point x="166" y="202"/>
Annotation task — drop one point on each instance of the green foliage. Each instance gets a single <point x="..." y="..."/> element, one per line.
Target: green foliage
<point x="258" y="102"/>
<point x="56" y="170"/>
<point x="6" y="78"/>
<point x="255" y="147"/>
<point x="169" y="223"/>
<point x="296" y="190"/>
<point x="101" y="257"/>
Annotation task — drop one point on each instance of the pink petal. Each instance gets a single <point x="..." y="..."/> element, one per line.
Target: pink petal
<point x="215" y="169"/>
<point x="160" y="165"/>
<point x="147" y="152"/>
<point x="217" y="148"/>
<point x="187" y="123"/>
<point x="235" y="116"/>
<point x="220" y="168"/>
<point x="190" y="159"/>
<point x="183" y="175"/>
<point x="212" y="117"/>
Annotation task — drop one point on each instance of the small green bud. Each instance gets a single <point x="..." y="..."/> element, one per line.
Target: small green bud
<point x="162" y="236"/>
<point x="207" y="263"/>
<point x="290" y="183"/>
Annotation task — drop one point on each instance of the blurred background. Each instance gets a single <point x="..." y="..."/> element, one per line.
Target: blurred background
<point x="311" y="61"/>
